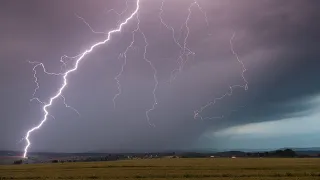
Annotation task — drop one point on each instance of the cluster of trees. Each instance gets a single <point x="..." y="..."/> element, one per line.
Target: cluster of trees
<point x="194" y="155"/>
<point x="18" y="162"/>
<point x="277" y="153"/>
<point x="62" y="161"/>
<point x="109" y="157"/>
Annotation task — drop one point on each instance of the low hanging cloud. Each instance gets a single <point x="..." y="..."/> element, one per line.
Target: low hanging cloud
<point x="296" y="124"/>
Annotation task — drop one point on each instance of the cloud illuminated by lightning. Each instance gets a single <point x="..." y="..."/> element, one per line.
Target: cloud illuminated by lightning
<point x="65" y="75"/>
<point x="245" y="86"/>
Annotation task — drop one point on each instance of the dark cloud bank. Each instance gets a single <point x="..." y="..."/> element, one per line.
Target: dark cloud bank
<point x="277" y="40"/>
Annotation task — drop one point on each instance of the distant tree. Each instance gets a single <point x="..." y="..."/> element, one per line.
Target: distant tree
<point x="278" y="152"/>
<point x="289" y="153"/>
<point x="54" y="161"/>
<point x="285" y="153"/>
<point x="17" y="162"/>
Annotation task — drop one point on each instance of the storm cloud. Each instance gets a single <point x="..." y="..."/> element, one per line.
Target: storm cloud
<point x="278" y="42"/>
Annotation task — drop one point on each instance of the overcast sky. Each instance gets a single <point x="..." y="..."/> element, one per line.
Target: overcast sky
<point x="278" y="42"/>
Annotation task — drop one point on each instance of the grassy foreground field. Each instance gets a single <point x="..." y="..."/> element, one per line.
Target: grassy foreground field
<point x="160" y="169"/>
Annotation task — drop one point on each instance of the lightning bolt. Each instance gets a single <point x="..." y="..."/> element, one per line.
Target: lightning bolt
<point x="111" y="10"/>
<point x="185" y="46"/>
<point x="38" y="64"/>
<point x="65" y="76"/>
<point x="116" y="12"/>
<point x="124" y="55"/>
<point x="229" y="93"/>
<point x="65" y="62"/>
<point x="67" y="106"/>
<point x="84" y="21"/>
<point x="182" y="59"/>
<point x="155" y="102"/>
<point x="184" y="50"/>
<point x="203" y="12"/>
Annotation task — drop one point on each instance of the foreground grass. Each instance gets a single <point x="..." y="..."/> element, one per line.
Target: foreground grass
<point x="160" y="169"/>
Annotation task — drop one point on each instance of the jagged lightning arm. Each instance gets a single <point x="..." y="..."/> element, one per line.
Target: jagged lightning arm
<point x="65" y="82"/>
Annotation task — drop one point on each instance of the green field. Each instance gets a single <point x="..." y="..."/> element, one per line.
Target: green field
<point x="160" y="169"/>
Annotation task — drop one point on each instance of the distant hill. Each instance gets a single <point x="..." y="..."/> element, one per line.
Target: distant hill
<point x="227" y="152"/>
<point x="311" y="152"/>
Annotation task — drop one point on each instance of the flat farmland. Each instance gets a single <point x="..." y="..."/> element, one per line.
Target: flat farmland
<point x="160" y="169"/>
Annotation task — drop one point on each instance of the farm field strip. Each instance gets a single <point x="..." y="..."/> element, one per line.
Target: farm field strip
<point x="210" y="168"/>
